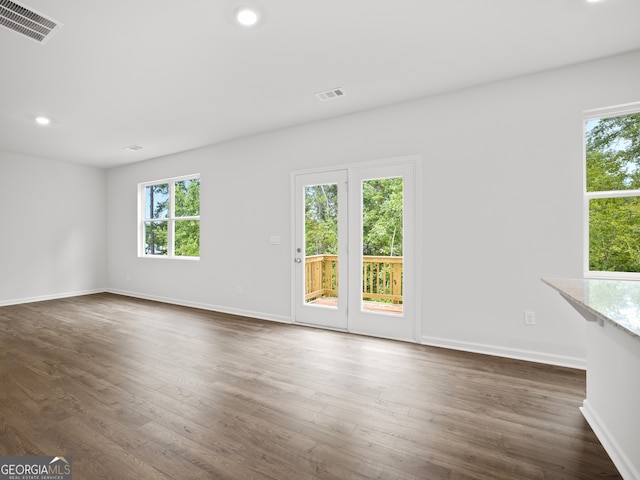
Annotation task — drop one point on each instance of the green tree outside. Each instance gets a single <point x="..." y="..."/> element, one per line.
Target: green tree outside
<point x="321" y="219"/>
<point x="156" y="207"/>
<point x="382" y="214"/>
<point x="613" y="164"/>
<point x="186" y="232"/>
<point x="382" y="217"/>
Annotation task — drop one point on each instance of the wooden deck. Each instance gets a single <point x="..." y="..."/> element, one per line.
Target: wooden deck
<point x="368" y="306"/>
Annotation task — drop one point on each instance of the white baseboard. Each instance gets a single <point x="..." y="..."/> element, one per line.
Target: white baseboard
<point x="518" y="354"/>
<point x="54" y="296"/>
<point x="204" y="306"/>
<point x="617" y="455"/>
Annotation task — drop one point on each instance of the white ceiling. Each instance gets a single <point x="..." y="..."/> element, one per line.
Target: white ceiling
<point x="176" y="75"/>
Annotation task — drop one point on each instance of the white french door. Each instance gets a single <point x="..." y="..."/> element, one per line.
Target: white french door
<point x="354" y="249"/>
<point x="320" y="243"/>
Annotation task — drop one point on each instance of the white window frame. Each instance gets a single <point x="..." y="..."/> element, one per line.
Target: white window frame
<point x="596" y="114"/>
<point x="171" y="218"/>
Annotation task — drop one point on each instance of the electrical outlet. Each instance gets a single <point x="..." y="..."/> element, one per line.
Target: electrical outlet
<point x="240" y="290"/>
<point x="529" y="318"/>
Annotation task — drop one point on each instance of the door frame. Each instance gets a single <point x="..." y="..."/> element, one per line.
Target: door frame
<point x="415" y="161"/>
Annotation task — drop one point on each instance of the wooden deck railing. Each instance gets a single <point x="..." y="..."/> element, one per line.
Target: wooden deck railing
<point x="321" y="276"/>
<point x="381" y="277"/>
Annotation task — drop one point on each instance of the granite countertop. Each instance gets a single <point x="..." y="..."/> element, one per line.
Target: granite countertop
<point x="614" y="301"/>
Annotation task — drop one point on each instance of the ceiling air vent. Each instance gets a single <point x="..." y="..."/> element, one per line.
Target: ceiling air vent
<point x="133" y="148"/>
<point x="27" y="22"/>
<point x="330" y="94"/>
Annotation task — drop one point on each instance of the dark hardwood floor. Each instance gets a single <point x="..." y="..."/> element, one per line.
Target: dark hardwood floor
<point x="132" y="389"/>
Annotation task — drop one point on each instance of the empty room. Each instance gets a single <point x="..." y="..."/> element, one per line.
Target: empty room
<point x="320" y="240"/>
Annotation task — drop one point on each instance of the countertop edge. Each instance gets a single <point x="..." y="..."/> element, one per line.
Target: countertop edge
<point x="571" y="299"/>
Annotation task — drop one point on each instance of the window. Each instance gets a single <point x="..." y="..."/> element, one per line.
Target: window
<point x="612" y="193"/>
<point x="170" y="218"/>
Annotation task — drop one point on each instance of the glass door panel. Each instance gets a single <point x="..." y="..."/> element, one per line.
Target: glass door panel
<point x="382" y="245"/>
<point x="321" y="244"/>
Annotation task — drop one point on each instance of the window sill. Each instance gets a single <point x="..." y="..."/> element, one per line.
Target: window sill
<point x="611" y="275"/>
<point x="165" y="257"/>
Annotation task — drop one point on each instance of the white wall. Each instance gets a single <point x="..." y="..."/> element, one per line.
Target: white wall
<point x="502" y="200"/>
<point x="53" y="231"/>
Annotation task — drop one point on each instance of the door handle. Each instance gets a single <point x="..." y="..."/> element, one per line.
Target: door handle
<point x="298" y="260"/>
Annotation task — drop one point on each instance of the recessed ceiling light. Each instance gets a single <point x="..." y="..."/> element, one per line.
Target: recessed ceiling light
<point x="247" y="17"/>
<point x="43" y="120"/>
